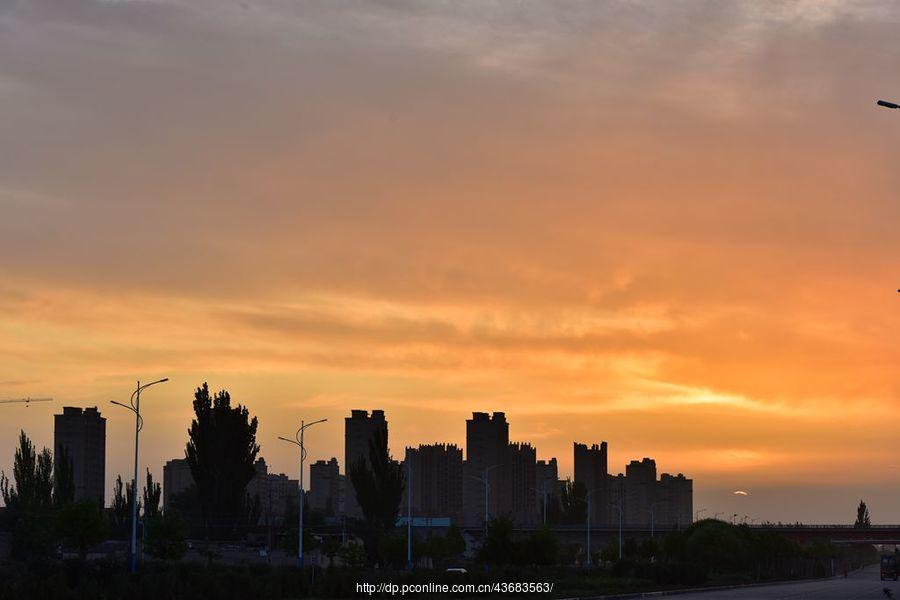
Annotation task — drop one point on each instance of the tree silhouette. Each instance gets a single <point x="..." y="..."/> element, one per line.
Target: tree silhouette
<point x="379" y="485"/>
<point x="862" y="516"/>
<point x="63" y="478"/>
<point x="152" y="493"/>
<point x="570" y="507"/>
<point x="33" y="477"/>
<point x="123" y="501"/>
<point x="498" y="547"/>
<point x="81" y="525"/>
<point x="165" y="535"/>
<point x="29" y="498"/>
<point x="221" y="452"/>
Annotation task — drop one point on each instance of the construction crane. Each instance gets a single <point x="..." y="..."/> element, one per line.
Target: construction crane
<point x="26" y="401"/>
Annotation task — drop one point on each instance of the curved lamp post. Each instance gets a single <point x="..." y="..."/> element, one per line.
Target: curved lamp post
<point x="134" y="405"/>
<point x="298" y="441"/>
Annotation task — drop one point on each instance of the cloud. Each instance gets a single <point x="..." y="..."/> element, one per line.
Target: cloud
<point x="606" y="213"/>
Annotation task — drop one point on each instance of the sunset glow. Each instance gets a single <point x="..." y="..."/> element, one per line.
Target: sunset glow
<point x="674" y="234"/>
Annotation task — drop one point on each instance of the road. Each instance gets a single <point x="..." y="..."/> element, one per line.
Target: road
<point x="858" y="585"/>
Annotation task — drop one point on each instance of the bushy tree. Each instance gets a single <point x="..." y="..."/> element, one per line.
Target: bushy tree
<point x="81" y="525"/>
<point x="441" y="548"/>
<point x="498" y="547"/>
<point x="331" y="545"/>
<point x="541" y="548"/>
<point x="221" y="452"/>
<point x="392" y="549"/>
<point x="352" y="555"/>
<point x="166" y="535"/>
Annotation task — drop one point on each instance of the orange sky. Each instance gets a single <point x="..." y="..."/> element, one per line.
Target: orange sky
<point x="670" y="226"/>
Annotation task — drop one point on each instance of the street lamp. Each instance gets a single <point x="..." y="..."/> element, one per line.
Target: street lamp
<point x="298" y="441"/>
<point x="409" y="562"/>
<point x="134" y="405"/>
<point x="486" y="482"/>
<point x="587" y="501"/>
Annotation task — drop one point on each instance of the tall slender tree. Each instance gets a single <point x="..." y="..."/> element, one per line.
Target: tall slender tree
<point x="63" y="478"/>
<point x="29" y="499"/>
<point x="123" y="500"/>
<point x="152" y="494"/>
<point x="221" y="452"/>
<point x="862" y="516"/>
<point x="379" y="485"/>
<point x="32" y="477"/>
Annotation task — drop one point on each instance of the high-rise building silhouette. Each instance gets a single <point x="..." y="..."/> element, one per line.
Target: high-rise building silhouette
<point x="487" y="440"/>
<point x="359" y="430"/>
<point x="436" y="471"/>
<point x="519" y="492"/>
<point x="546" y="479"/>
<point x="640" y="488"/>
<point x="83" y="434"/>
<point x="326" y="488"/>
<point x="276" y="494"/>
<point x="176" y="479"/>
<point x="591" y="471"/>
<point x="673" y="501"/>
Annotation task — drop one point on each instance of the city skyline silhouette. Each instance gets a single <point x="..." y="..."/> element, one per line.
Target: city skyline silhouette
<point x="667" y="227"/>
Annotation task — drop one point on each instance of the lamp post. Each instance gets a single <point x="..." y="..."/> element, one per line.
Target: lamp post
<point x="134" y="405"/>
<point x="298" y="441"/>
<point x="486" y="482"/>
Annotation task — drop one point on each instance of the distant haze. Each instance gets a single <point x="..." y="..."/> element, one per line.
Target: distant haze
<point x="672" y="226"/>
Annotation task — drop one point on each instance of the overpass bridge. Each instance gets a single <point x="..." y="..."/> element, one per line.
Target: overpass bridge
<point x="836" y="533"/>
<point x="842" y="534"/>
